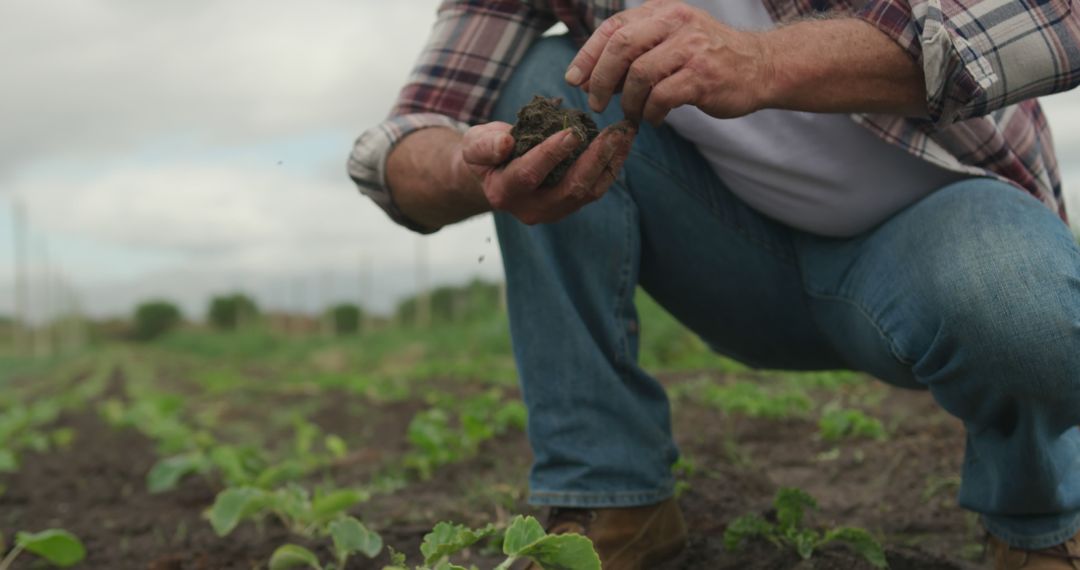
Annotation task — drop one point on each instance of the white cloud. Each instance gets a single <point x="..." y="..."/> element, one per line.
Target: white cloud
<point x="100" y="76"/>
<point x="142" y="130"/>
<point x="245" y="225"/>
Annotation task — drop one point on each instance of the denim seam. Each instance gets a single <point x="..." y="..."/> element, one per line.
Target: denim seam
<point x="1033" y="542"/>
<point x="735" y="226"/>
<point x="893" y="348"/>
<point x="624" y="358"/>
<point x="599" y="499"/>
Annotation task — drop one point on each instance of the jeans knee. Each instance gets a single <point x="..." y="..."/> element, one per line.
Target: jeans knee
<point x="1018" y="321"/>
<point x="540" y="72"/>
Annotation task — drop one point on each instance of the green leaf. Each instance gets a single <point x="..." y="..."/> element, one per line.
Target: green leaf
<point x="62" y="437"/>
<point x="396" y="558"/>
<point x="522" y="532"/>
<point x="227" y="459"/>
<point x="9" y="463"/>
<point x="791" y="504"/>
<point x="447" y="565"/>
<point x="336" y="446"/>
<point x="863" y="543"/>
<point x="58" y="546"/>
<point x="292" y="556"/>
<point x="446" y="539"/>
<point x="563" y="552"/>
<point x="234" y="505"/>
<point x="166" y="474"/>
<point x="329" y="506"/>
<point x="351" y="536"/>
<point x="305" y="434"/>
<point x="278" y="474"/>
<point x="805" y="541"/>
<point x="744" y="527"/>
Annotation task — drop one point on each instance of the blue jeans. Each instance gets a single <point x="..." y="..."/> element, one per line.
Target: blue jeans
<point x="972" y="293"/>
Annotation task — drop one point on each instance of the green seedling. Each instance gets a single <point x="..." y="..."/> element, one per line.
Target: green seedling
<point x="683" y="469"/>
<point x="323" y="515"/>
<point x="788" y="531"/>
<point x="439" y="438"/>
<point x="58" y="547"/>
<point x="293" y="505"/>
<point x="23" y="427"/>
<point x="753" y="400"/>
<point x="524" y="538"/>
<point x="349" y="537"/>
<point x="249" y="465"/>
<point x="839" y="424"/>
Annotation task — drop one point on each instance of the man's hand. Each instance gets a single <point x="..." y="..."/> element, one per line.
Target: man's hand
<point x="665" y="54"/>
<point x="515" y="187"/>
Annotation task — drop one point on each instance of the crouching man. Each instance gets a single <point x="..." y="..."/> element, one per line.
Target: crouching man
<point x="831" y="184"/>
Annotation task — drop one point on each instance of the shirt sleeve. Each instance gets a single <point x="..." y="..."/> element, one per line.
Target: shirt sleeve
<point x="471" y="52"/>
<point x="979" y="56"/>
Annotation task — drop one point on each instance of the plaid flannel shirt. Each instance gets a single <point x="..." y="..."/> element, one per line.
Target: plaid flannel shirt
<point x="984" y="61"/>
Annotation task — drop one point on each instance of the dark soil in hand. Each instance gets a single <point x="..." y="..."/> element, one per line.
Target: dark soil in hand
<point x="544" y="117"/>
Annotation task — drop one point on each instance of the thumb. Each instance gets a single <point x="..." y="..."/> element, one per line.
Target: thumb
<point x="488" y="145"/>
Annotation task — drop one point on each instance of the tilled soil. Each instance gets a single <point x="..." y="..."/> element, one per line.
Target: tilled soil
<point x="899" y="488"/>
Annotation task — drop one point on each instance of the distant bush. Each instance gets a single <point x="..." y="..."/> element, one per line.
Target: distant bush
<point x="229" y="312"/>
<point x="455" y="304"/>
<point x="345" y="318"/>
<point x="153" y="319"/>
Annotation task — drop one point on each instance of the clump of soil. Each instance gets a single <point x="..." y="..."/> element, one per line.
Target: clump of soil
<point x="544" y="117"/>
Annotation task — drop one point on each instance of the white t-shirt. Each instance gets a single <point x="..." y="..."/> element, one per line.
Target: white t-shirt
<point x="817" y="172"/>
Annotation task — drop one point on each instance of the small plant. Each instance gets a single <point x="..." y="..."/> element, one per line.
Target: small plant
<point x="23" y="428"/>
<point x="753" y="400"/>
<point x="524" y="539"/>
<point x="312" y="517"/>
<point x="788" y="530"/>
<point x="682" y="470"/>
<point x="293" y="505"/>
<point x="56" y="546"/>
<point x="437" y="439"/>
<point x="838" y="424"/>
<point x="349" y="537"/>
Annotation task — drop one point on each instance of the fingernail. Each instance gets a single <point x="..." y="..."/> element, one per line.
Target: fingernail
<point x="573" y="75"/>
<point x="569" y="140"/>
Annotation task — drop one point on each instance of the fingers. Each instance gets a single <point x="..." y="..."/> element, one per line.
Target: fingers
<point x="581" y="68"/>
<point x="611" y="173"/>
<point x="646" y="72"/>
<point x="674" y="91"/>
<point x="613" y="145"/>
<point x="488" y="144"/>
<point x="528" y="171"/>
<point x="625" y="45"/>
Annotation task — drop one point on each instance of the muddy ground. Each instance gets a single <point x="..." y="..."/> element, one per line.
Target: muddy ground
<point x="902" y="489"/>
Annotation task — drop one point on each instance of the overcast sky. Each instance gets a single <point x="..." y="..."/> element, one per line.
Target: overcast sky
<point x="177" y="149"/>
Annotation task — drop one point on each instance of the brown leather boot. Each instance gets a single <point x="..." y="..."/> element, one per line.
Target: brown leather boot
<point x="1065" y="556"/>
<point x="635" y="538"/>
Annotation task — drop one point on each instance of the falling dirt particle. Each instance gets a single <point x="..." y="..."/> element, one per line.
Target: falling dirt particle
<point x="481" y="260"/>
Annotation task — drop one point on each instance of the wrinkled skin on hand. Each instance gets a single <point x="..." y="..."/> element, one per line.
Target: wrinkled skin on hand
<point x="665" y="54"/>
<point x="517" y="186"/>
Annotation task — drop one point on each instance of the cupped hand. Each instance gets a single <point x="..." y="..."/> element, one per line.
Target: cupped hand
<point x="665" y="54"/>
<point x="515" y="187"/>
